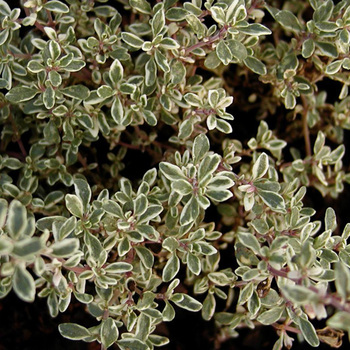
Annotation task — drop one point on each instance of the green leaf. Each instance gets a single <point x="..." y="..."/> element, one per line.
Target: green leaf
<point x="288" y="20"/>
<point x="182" y="187"/>
<point x="196" y="25"/>
<point x="83" y="191"/>
<point x="132" y="40"/>
<point x="249" y="241"/>
<point x="116" y="72"/>
<point x="238" y="50"/>
<point x="200" y="147"/>
<point x="94" y="246"/>
<point x="73" y="331"/>
<point x="65" y="248"/>
<point x="209" y="305"/>
<point x="132" y="344"/>
<point x="161" y="61"/>
<point x="75" y="65"/>
<point x="158" y="22"/>
<point x="255" y="65"/>
<point x="27" y="246"/>
<point x="223" y="52"/>
<point x="150" y="72"/>
<point x="255" y="29"/>
<point x="56" y="6"/>
<point x="118" y="267"/>
<point x="149" y="117"/>
<point x="4" y="34"/>
<point x="186" y="302"/>
<point x="342" y="280"/>
<point x="271" y="316"/>
<point x="190" y="211"/>
<point x="109" y="332"/>
<point x="145" y="256"/>
<point x="21" y="94"/>
<point x="298" y="294"/>
<point x="168" y="312"/>
<point x="49" y="97"/>
<point x="23" y="284"/>
<point x="142" y="6"/>
<point x="117" y="111"/>
<point x="5" y="8"/>
<point x="74" y="205"/>
<point x="272" y="199"/>
<point x="330" y="220"/>
<point x="171" y="268"/>
<point x="55" y="78"/>
<point x="176" y="14"/>
<point x="260" y="166"/>
<point x="79" y="92"/>
<point x="54" y="50"/>
<point x="17" y="219"/>
<point x="194" y="263"/>
<point x="171" y="171"/>
<point x="309" y="332"/>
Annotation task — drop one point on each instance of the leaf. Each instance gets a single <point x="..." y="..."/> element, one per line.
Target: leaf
<point x="255" y="65"/>
<point x="118" y="267"/>
<point x="21" y="94"/>
<point x="190" y="211"/>
<point x="196" y="25"/>
<point x="288" y="20"/>
<point x="65" y="248"/>
<point x="330" y="220"/>
<point x="94" y="246"/>
<point x="4" y="8"/>
<point x="209" y="305"/>
<point x="74" y="205"/>
<point x="182" y="187"/>
<point x="250" y="241"/>
<point x="132" y="40"/>
<point x="272" y="199"/>
<point x="132" y="344"/>
<point x="109" y="332"/>
<point x="49" y="97"/>
<point x="23" y="284"/>
<point x="158" y="22"/>
<point x="145" y="256"/>
<point x="171" y="171"/>
<point x="271" y="316"/>
<point x="309" y="332"/>
<point x="223" y="52"/>
<point x="73" y="331"/>
<point x="194" y="264"/>
<point x="150" y="72"/>
<point x="255" y="29"/>
<point x="260" y="166"/>
<point x="116" y="72"/>
<point x="56" y="6"/>
<point x="186" y="302"/>
<point x="28" y="246"/>
<point x="79" y="92"/>
<point x="142" y="6"/>
<point x="17" y="219"/>
<point x="83" y="191"/>
<point x="171" y="268"/>
<point x="342" y="280"/>
<point x="200" y="147"/>
<point x="117" y="111"/>
<point x="298" y="294"/>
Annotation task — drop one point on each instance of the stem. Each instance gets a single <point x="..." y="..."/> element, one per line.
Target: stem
<point x="219" y="35"/>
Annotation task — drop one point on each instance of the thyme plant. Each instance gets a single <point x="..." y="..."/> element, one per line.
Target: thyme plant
<point x="86" y="85"/>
